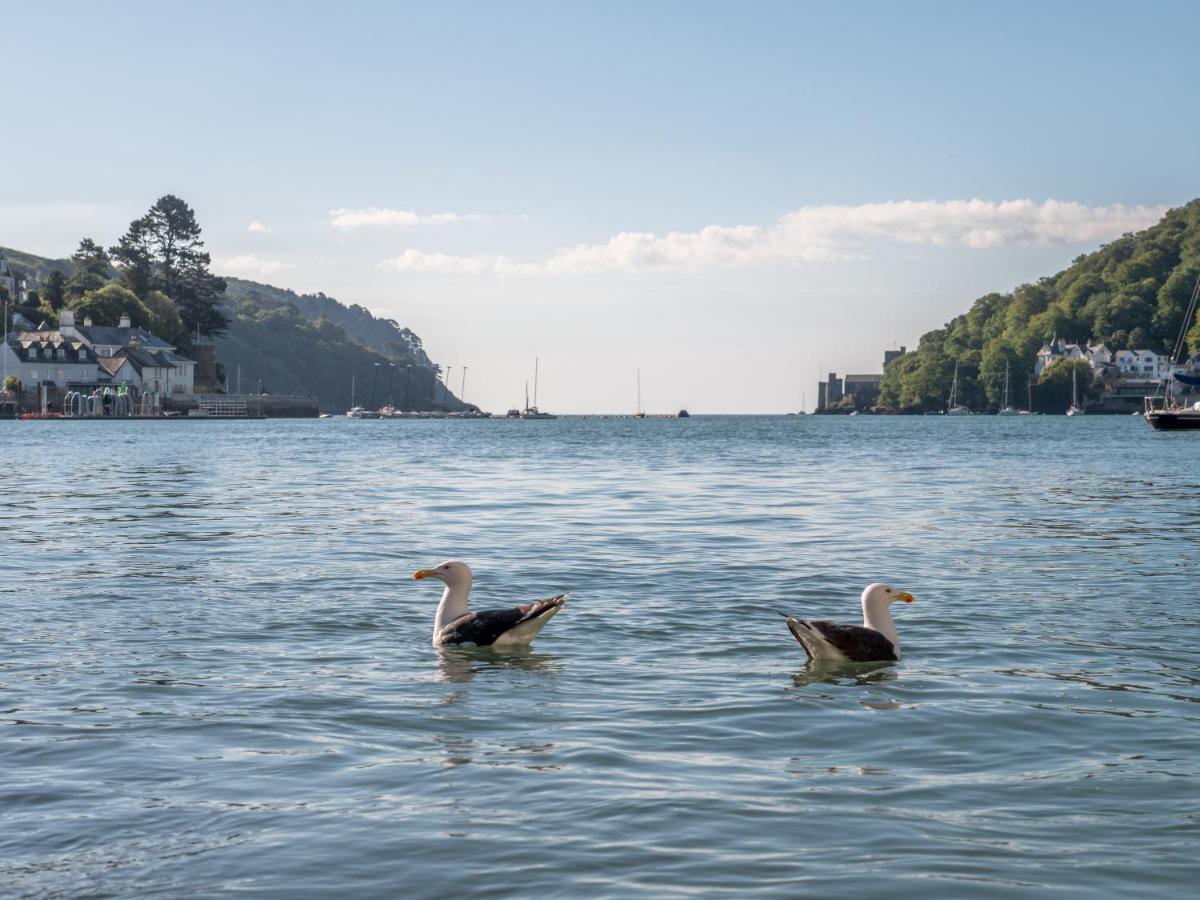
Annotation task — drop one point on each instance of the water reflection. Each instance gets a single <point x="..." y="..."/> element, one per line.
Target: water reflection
<point x="459" y="665"/>
<point x="816" y="672"/>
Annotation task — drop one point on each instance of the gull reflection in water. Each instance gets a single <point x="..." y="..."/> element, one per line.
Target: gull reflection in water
<point x="459" y="665"/>
<point x="847" y="673"/>
<point x="867" y="675"/>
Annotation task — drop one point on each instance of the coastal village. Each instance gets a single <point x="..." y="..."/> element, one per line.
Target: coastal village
<point x="1117" y="382"/>
<point x="74" y="367"/>
<point x="87" y="370"/>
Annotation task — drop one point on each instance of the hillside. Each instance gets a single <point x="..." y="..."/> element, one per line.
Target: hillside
<point x="305" y="344"/>
<point x="272" y="342"/>
<point x="386" y="336"/>
<point x="1130" y="294"/>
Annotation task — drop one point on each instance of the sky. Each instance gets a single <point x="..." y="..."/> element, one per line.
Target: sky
<point x="732" y="198"/>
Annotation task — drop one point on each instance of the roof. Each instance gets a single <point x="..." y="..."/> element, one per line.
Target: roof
<point x="111" y="335"/>
<point x="111" y="364"/>
<point x="141" y="358"/>
<point x="872" y="378"/>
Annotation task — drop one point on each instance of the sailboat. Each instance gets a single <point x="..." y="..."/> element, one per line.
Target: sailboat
<point x="1074" y="409"/>
<point x="639" y="414"/>
<point x="954" y="408"/>
<point x="1008" y="409"/>
<point x="356" y="411"/>
<point x="1163" y="409"/>
<point x="532" y="412"/>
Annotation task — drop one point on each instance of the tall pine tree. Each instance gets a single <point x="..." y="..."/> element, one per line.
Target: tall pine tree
<point x="92" y="267"/>
<point x="163" y="251"/>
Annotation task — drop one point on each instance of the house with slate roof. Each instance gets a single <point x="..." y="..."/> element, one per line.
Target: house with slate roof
<point x="149" y="362"/>
<point x="47" y="356"/>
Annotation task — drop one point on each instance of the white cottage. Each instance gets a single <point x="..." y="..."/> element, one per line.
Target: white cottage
<point x="48" y="357"/>
<point x="155" y="363"/>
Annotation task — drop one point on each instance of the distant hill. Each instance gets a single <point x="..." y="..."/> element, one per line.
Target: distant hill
<point x="312" y="344"/>
<point x="1130" y="294"/>
<point x="383" y="335"/>
<point x="291" y="343"/>
<point x="35" y="268"/>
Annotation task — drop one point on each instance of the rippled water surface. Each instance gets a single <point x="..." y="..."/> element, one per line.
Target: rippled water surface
<point x="217" y="675"/>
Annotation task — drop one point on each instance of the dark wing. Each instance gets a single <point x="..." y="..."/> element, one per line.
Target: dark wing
<point x="856" y="643"/>
<point x="484" y="627"/>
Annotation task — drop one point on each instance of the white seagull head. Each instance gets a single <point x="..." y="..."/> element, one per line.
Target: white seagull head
<point x="878" y="597"/>
<point x="453" y="573"/>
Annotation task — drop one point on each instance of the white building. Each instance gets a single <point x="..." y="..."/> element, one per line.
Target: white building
<point x="1054" y="351"/>
<point x="151" y="363"/>
<point x="47" y="357"/>
<point x="1141" y="364"/>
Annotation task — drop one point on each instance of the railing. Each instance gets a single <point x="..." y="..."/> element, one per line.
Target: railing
<point x="221" y="405"/>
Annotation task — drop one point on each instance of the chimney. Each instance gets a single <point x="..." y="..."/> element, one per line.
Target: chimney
<point x="66" y="318"/>
<point x="124" y="323"/>
<point x="87" y="321"/>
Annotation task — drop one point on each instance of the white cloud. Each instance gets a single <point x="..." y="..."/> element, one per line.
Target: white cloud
<point x="820" y="233"/>
<point x="417" y="261"/>
<point x="251" y="265"/>
<point x="375" y="216"/>
<point x="258" y="228"/>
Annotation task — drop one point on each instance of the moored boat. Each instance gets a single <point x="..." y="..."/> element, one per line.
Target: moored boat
<point x="1164" y="410"/>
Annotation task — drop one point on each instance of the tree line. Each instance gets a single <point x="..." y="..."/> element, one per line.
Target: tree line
<point x="157" y="274"/>
<point x="1131" y="294"/>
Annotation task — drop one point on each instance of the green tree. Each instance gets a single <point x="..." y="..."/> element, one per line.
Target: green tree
<point x="1173" y="299"/>
<point x="54" y="290"/>
<point x="1053" y="391"/>
<point x="163" y="251"/>
<point x="164" y="318"/>
<point x="134" y="254"/>
<point x="92" y="266"/>
<point x="106" y="306"/>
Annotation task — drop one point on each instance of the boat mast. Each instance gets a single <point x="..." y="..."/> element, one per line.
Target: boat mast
<point x="1006" y="364"/>
<point x="535" y="379"/>
<point x="639" y="385"/>
<point x="1177" y="354"/>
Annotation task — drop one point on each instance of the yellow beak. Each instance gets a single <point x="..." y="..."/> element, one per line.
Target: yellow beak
<point x="906" y="597"/>
<point x="422" y="573"/>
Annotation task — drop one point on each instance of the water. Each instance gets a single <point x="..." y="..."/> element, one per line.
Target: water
<point x="216" y="672"/>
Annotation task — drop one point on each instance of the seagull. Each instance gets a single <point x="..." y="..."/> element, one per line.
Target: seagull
<point x="873" y="641"/>
<point x="457" y="625"/>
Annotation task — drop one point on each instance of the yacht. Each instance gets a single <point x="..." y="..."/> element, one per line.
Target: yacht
<point x="532" y="412"/>
<point x="1163" y="410"/>
<point x="954" y="408"/>
<point x="1074" y="409"/>
<point x="356" y="411"/>
<point x="1007" y="409"/>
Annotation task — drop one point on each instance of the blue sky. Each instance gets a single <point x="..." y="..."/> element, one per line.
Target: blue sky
<point x="438" y="163"/>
